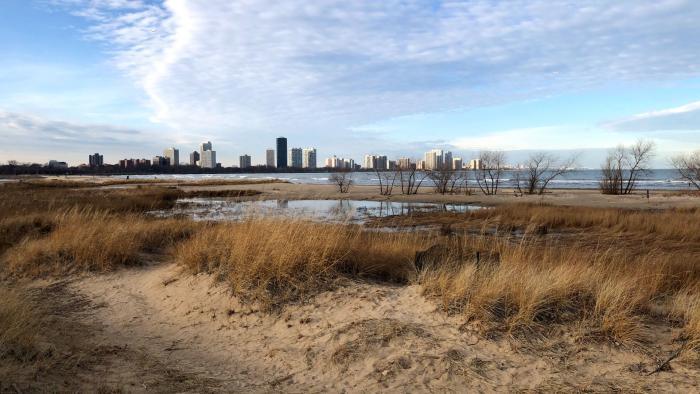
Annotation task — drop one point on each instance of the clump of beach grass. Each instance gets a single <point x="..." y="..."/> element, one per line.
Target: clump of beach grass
<point x="19" y="324"/>
<point x="278" y="261"/>
<point x="84" y="240"/>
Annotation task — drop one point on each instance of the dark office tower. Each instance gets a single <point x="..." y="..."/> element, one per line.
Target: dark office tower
<point x="281" y="152"/>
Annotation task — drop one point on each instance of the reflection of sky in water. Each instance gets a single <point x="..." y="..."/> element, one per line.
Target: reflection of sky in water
<point x="325" y="210"/>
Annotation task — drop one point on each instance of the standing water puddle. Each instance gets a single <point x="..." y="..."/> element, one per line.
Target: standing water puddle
<point x="341" y="211"/>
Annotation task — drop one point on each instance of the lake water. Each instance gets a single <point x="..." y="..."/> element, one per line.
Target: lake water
<point x="579" y="179"/>
<point x="340" y="211"/>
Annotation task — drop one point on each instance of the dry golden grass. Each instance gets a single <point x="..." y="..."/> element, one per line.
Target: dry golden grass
<point x="18" y="199"/>
<point x="92" y="241"/>
<point x="686" y="307"/>
<point x="91" y="183"/>
<point x="535" y="287"/>
<point x="607" y="287"/>
<point x="671" y="224"/>
<point x="18" y="325"/>
<point x="278" y="261"/>
<point x="26" y="198"/>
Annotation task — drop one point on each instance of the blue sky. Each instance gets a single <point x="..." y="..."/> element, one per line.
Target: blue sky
<point x="131" y="77"/>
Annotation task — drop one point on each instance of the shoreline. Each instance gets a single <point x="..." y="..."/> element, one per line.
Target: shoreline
<point x="565" y="197"/>
<point x="282" y="190"/>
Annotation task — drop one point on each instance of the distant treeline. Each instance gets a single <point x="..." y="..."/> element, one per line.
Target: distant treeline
<point x="38" y="169"/>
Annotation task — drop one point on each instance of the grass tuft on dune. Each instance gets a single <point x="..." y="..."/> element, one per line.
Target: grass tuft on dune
<point x="278" y="261"/>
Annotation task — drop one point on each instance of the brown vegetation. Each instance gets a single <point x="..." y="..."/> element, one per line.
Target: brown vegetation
<point x="92" y="241"/>
<point x="663" y="225"/>
<point x="607" y="293"/>
<point x="278" y="261"/>
<point x="18" y="325"/>
<point x="100" y="182"/>
<point x="602" y="287"/>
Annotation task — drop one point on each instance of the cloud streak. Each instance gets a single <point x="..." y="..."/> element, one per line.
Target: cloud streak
<point x="685" y="117"/>
<point x="18" y="129"/>
<point x="232" y="68"/>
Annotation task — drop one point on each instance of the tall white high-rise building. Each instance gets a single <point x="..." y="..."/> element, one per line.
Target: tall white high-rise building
<point x="270" y="158"/>
<point x="434" y="159"/>
<point x="309" y="158"/>
<point x="370" y="162"/>
<point x="332" y="162"/>
<point x="207" y="156"/>
<point x="295" y="158"/>
<point x="173" y="155"/>
<point x="244" y="161"/>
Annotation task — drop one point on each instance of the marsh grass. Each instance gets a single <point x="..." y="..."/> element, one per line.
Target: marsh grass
<point x="537" y="287"/>
<point x="610" y="289"/>
<point x="19" y="322"/>
<point x="92" y="183"/>
<point x="670" y="224"/>
<point x="275" y="262"/>
<point x="85" y="240"/>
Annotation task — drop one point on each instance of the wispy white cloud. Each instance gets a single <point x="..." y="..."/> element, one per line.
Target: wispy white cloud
<point x="685" y="117"/>
<point x="558" y="137"/>
<point x="24" y="128"/>
<point x="28" y="137"/>
<point x="235" y="67"/>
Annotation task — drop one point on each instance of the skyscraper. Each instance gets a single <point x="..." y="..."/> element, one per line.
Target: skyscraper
<point x="370" y="162"/>
<point x="281" y="152"/>
<point x="244" y="161"/>
<point x="159" y="161"/>
<point x="194" y="158"/>
<point x="172" y="154"/>
<point x="96" y="160"/>
<point x="382" y="163"/>
<point x="207" y="155"/>
<point x="434" y="159"/>
<point x="309" y="158"/>
<point x="295" y="158"/>
<point x="447" y="161"/>
<point x="270" y="158"/>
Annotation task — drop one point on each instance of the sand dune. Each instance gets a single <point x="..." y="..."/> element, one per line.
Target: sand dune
<point x="166" y="331"/>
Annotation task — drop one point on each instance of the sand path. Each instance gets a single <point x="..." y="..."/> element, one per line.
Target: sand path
<point x="363" y="337"/>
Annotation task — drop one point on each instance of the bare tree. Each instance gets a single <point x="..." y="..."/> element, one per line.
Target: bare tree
<point x="624" y="166"/>
<point x="488" y="176"/>
<point x="540" y="169"/>
<point x="468" y="190"/>
<point x="386" y="181"/>
<point x="342" y="179"/>
<point x="688" y="166"/>
<point x="445" y="179"/>
<point x="411" y="180"/>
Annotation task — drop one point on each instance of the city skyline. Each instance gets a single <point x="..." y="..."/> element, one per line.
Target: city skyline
<point x="132" y="77"/>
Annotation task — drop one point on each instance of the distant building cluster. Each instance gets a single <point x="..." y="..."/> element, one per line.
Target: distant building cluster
<point x="373" y="162"/>
<point x="283" y="157"/>
<point x="341" y="163"/>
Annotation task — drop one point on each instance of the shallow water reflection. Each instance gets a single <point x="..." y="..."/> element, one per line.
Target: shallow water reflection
<point x="356" y="211"/>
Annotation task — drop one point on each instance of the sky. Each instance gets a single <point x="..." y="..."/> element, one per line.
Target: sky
<point x="128" y="78"/>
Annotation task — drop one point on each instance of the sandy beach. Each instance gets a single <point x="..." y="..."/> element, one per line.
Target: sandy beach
<point x="552" y="293"/>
